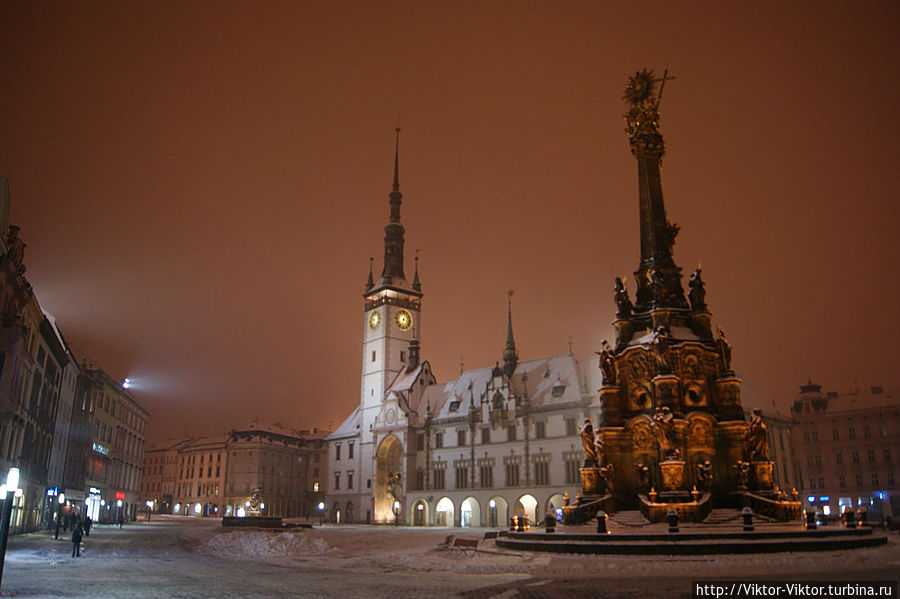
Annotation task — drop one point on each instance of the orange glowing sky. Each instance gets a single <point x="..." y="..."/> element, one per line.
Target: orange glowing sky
<point x="201" y="184"/>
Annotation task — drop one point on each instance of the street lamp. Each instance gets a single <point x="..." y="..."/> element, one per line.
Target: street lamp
<point x="149" y="509"/>
<point x="321" y="512"/>
<point x="119" y="512"/>
<point x="8" y="490"/>
<point x="62" y="501"/>
<point x="396" y="513"/>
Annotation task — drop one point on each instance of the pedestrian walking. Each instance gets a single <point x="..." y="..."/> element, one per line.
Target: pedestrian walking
<point x="58" y="524"/>
<point x="87" y="526"/>
<point x="76" y="541"/>
<point x="121" y="521"/>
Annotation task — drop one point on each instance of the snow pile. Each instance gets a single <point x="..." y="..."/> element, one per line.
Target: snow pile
<point x="255" y="544"/>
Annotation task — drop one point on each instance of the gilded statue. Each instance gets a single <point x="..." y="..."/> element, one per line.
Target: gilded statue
<point x="623" y="304"/>
<point x="607" y="364"/>
<point x="704" y="476"/>
<point x="697" y="295"/>
<point x="724" y="350"/>
<point x="587" y="443"/>
<point x="664" y="429"/>
<point x="660" y="339"/>
<point x="642" y="118"/>
<point x="599" y="449"/>
<point x="756" y="440"/>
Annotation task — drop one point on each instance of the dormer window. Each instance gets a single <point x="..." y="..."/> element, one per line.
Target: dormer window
<point x="558" y="390"/>
<point x="454" y="405"/>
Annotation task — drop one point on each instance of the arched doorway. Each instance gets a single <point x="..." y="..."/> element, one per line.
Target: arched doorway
<point x="348" y="515"/>
<point x="554" y="505"/>
<point x="336" y="512"/>
<point x="443" y="512"/>
<point x="388" y="480"/>
<point x="420" y="513"/>
<point x="497" y="510"/>
<point x="526" y="505"/>
<point x="470" y="513"/>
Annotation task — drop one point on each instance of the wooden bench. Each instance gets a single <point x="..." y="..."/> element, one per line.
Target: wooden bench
<point x="464" y="546"/>
<point x="491" y="534"/>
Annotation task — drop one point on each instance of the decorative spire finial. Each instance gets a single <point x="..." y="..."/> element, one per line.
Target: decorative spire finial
<point x="397" y="160"/>
<point x="510" y="356"/>
<point x="417" y="284"/>
<point x="371" y="282"/>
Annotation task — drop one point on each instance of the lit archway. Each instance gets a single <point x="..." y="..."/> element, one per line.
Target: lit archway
<point x="389" y="482"/>
<point x="526" y="505"/>
<point x="336" y="512"/>
<point x="469" y="513"/>
<point x="554" y="505"/>
<point x="348" y="516"/>
<point x="497" y="512"/>
<point x="443" y="512"/>
<point x="420" y="513"/>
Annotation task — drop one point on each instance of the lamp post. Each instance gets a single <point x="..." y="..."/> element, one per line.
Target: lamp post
<point x="149" y="509"/>
<point x="396" y="513"/>
<point x="62" y="501"/>
<point x="8" y="491"/>
<point x="119" y="512"/>
<point x="321" y="513"/>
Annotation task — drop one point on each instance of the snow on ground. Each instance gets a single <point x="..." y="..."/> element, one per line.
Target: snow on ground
<point x="192" y="558"/>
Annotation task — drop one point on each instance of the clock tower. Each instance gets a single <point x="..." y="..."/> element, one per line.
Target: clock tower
<point x="391" y="315"/>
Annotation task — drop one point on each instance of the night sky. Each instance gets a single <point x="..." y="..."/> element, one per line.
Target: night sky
<point x="201" y="184"/>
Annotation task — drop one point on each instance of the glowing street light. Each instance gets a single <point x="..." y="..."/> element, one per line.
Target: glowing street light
<point x="126" y="383"/>
<point x="8" y="491"/>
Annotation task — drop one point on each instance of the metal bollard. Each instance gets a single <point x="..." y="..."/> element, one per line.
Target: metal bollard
<point x="747" y="514"/>
<point x="672" y="519"/>
<point x="549" y="523"/>
<point x="810" y="520"/>
<point x="601" y="523"/>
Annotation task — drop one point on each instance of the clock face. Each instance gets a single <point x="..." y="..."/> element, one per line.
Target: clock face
<point x="403" y="319"/>
<point x="374" y="320"/>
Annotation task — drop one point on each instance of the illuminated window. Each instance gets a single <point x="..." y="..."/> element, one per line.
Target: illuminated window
<point x="315" y="487"/>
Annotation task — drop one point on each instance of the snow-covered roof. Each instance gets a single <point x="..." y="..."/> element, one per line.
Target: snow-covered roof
<point x="864" y="399"/>
<point x="405" y="379"/>
<point x="348" y="428"/>
<point x="168" y="444"/>
<point x="553" y="380"/>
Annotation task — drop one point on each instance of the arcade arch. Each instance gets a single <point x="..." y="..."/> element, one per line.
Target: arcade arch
<point x="420" y="513"/>
<point x="470" y="513"/>
<point x="526" y="505"/>
<point x="388" y="466"/>
<point x="497" y="512"/>
<point x="443" y="512"/>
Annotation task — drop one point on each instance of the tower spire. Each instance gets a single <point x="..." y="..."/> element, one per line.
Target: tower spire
<point x="371" y="282"/>
<point x="417" y="284"/>
<point x="393" y="232"/>
<point x="510" y="356"/>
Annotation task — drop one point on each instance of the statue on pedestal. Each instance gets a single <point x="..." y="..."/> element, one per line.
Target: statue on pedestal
<point x="608" y="364"/>
<point x="664" y="429"/>
<point x="724" y="351"/>
<point x="599" y="449"/>
<point x="757" y="443"/>
<point x="660" y="340"/>
<point x="743" y="470"/>
<point x="704" y="476"/>
<point x="588" y="444"/>
<point x="697" y="294"/>
<point x="623" y="304"/>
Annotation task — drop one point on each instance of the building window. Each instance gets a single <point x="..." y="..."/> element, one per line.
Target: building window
<point x="821" y="483"/>
<point x="373" y="355"/>
<point x="891" y="480"/>
<point x="486" y="474"/>
<point x="851" y="432"/>
<point x="573" y="475"/>
<point x="570" y="427"/>
<point x="887" y="455"/>
<point x="337" y="480"/>
<point x="540" y="430"/>
<point x="511" y="432"/>
<point x="420" y="479"/>
<point x="874" y="480"/>
<point x="818" y="460"/>
<point x="806" y="437"/>
<point x="420" y="441"/>
<point x="871" y="455"/>
<point x="512" y="474"/>
<point x="461" y="438"/>
<point x="859" y="481"/>
<point x="403" y="356"/>
<point x="867" y="432"/>
<point x="809" y="461"/>
<point x="815" y="436"/>
<point x="542" y="472"/>
<point x="462" y="477"/>
<point x="315" y="487"/>
<point x="812" y="483"/>
<point x="838" y="458"/>
<point x="439" y="442"/>
<point x="855" y="456"/>
<point x="485" y="436"/>
<point x="835" y="435"/>
<point x="350" y="479"/>
<point x="350" y="450"/>
<point x="438" y="478"/>
<point x="842" y="481"/>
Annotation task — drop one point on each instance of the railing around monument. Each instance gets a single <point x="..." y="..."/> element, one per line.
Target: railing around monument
<point x="773" y="508"/>
<point x="692" y="511"/>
